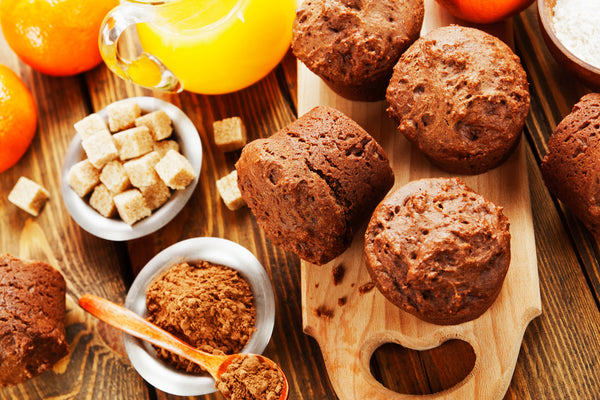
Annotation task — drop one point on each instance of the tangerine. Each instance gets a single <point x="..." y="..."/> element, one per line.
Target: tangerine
<point x="484" y="11"/>
<point x="55" y="37"/>
<point x="18" y="118"/>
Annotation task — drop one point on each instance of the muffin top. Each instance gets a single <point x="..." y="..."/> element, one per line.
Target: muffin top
<point x="353" y="41"/>
<point x="570" y="168"/>
<point x="313" y="182"/>
<point x="438" y="250"/>
<point x="461" y="95"/>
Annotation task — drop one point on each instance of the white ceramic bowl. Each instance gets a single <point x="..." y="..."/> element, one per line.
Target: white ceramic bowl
<point x="184" y="132"/>
<point x="218" y="251"/>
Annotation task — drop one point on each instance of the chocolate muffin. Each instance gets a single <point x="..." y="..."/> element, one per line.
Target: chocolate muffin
<point x="461" y="96"/>
<point x="353" y="45"/>
<point x="312" y="183"/>
<point x="32" y="319"/>
<point x="570" y="168"/>
<point x="438" y="250"/>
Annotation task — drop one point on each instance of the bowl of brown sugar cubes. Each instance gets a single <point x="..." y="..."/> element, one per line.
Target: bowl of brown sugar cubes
<point x="130" y="168"/>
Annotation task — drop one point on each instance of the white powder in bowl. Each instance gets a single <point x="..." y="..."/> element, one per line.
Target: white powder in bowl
<point x="577" y="26"/>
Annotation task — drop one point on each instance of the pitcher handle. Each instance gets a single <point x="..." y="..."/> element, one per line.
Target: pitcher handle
<point x="145" y="70"/>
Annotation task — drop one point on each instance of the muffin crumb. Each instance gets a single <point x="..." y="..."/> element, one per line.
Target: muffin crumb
<point x="338" y="274"/>
<point x="324" y="311"/>
<point x="366" y="288"/>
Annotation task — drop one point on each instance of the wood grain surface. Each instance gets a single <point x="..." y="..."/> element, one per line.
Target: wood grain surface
<point x="560" y="353"/>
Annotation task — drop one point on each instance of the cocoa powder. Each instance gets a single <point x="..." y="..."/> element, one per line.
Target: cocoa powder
<point x="248" y="377"/>
<point x="206" y="305"/>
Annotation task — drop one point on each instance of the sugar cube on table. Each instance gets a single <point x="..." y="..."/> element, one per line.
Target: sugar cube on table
<point x="134" y="142"/>
<point x="29" y="196"/>
<point x="82" y="177"/>
<point x="131" y="206"/>
<point x="141" y="170"/>
<point x="158" y="122"/>
<point x="114" y="177"/>
<point x="175" y="170"/>
<point x="100" y="148"/>
<point x="91" y="125"/>
<point x="102" y="201"/>
<point x="229" y="134"/>
<point x="122" y="115"/>
<point x="229" y="191"/>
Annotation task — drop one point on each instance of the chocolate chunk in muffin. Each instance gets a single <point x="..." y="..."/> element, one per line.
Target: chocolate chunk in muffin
<point x="461" y="96"/>
<point x="312" y="183"/>
<point x="353" y="45"/>
<point x="32" y="319"/>
<point x="570" y="168"/>
<point x="438" y="250"/>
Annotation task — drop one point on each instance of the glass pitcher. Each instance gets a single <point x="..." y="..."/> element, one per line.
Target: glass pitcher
<point x="204" y="46"/>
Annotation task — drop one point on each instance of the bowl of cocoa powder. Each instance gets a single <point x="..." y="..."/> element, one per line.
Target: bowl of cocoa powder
<point x="213" y="294"/>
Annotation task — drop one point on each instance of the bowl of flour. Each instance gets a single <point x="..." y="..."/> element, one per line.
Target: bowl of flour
<point x="572" y="33"/>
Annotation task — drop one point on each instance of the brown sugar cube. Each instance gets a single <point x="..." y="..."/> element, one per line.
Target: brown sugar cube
<point x="175" y="170"/>
<point x="156" y="194"/>
<point x="122" y="115"/>
<point x="131" y="206"/>
<point x="158" y="122"/>
<point x="91" y="125"/>
<point x="230" y="134"/>
<point x="100" y="149"/>
<point x="28" y="196"/>
<point x="141" y="170"/>
<point x="134" y="142"/>
<point x="229" y="191"/>
<point x="164" y="146"/>
<point x="82" y="177"/>
<point x="114" y="177"/>
<point x="102" y="201"/>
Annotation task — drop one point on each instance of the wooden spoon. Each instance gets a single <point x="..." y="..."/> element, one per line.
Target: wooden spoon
<point x="131" y="323"/>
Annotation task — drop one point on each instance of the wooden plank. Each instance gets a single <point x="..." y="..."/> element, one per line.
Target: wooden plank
<point x="96" y="366"/>
<point x="349" y="334"/>
<point x="554" y="92"/>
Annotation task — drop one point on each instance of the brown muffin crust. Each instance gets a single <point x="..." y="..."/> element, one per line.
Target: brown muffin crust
<point x="438" y="250"/>
<point x="32" y="319"/>
<point x="312" y="183"/>
<point x="353" y="45"/>
<point x="571" y="169"/>
<point x="462" y="97"/>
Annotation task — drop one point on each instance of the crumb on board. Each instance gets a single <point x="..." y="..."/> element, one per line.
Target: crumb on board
<point x="342" y="301"/>
<point x="338" y="274"/>
<point x="323" y="311"/>
<point x="366" y="288"/>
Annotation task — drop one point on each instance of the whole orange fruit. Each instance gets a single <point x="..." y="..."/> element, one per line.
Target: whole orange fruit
<point x="55" y="37"/>
<point x="18" y="118"/>
<point x="484" y="11"/>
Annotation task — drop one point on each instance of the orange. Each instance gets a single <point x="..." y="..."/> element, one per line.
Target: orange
<point x="18" y="118"/>
<point x="55" y="37"/>
<point x="484" y="11"/>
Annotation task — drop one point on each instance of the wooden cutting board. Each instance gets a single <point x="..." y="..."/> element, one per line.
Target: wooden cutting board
<point x="350" y="322"/>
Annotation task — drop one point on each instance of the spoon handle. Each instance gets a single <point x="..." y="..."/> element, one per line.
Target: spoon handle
<point x="131" y="323"/>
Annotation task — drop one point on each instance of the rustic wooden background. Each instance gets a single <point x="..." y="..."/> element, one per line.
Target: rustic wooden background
<point x="560" y="355"/>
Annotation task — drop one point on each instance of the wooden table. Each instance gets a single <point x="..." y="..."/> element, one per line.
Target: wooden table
<point x="560" y="355"/>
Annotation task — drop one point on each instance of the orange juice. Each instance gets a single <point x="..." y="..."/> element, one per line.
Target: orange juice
<point x="219" y="46"/>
